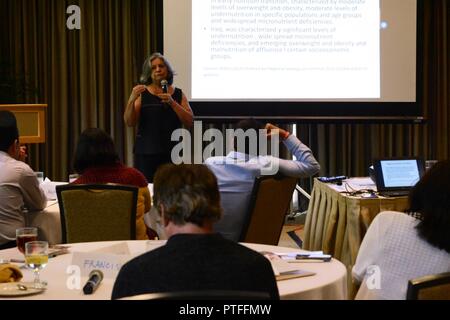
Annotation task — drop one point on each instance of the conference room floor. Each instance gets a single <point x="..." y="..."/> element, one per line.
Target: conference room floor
<point x="286" y="240"/>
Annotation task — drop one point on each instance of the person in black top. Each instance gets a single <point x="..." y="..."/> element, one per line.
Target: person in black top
<point x="194" y="258"/>
<point x="158" y="109"/>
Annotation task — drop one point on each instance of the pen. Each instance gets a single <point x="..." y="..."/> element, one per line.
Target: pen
<point x="57" y="253"/>
<point x="325" y="258"/>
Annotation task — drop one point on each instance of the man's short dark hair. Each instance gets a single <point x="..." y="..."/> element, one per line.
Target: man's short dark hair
<point x="430" y="197"/>
<point x="248" y="124"/>
<point x="95" y="148"/>
<point x="188" y="192"/>
<point x="8" y="130"/>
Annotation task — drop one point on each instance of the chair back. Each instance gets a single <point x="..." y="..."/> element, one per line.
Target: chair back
<point x="269" y="203"/>
<point x="97" y="212"/>
<point x="431" y="287"/>
<point x="202" y="295"/>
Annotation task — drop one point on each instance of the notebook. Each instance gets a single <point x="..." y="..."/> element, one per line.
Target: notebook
<point x="283" y="270"/>
<point x="395" y="177"/>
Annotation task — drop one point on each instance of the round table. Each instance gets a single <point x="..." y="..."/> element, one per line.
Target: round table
<point x="329" y="281"/>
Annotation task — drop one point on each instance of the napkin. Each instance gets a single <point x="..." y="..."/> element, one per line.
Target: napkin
<point x="9" y="273"/>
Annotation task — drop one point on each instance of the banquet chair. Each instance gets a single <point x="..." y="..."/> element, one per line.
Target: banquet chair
<point x="430" y="287"/>
<point x="202" y="295"/>
<point x="269" y="204"/>
<point x="97" y="212"/>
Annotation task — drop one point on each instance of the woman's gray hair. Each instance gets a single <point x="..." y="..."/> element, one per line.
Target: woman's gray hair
<point x="146" y="75"/>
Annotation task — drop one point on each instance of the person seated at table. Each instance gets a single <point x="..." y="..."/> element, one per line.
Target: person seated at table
<point x="194" y="257"/>
<point x="399" y="247"/>
<point x="20" y="192"/>
<point x="237" y="171"/>
<point x="96" y="161"/>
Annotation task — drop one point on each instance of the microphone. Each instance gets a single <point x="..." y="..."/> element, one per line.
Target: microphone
<point x="165" y="89"/>
<point x="95" y="278"/>
<point x="164" y="86"/>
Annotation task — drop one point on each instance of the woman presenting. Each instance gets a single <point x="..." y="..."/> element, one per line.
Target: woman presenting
<point x="158" y="108"/>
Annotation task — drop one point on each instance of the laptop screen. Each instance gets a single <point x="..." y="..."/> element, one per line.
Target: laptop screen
<point x="398" y="174"/>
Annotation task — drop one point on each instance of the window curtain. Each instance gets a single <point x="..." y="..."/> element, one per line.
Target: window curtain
<point x="85" y="76"/>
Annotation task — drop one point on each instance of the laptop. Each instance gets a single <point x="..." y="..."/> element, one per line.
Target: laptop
<point x="395" y="177"/>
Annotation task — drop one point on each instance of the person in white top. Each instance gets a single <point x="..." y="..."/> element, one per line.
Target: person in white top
<point x="399" y="247"/>
<point x="19" y="187"/>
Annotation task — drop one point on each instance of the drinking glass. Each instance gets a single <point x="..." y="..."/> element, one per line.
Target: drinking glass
<point x="24" y="235"/>
<point x="39" y="176"/>
<point x="36" y="258"/>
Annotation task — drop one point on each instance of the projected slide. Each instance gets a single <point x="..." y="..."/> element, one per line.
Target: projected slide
<point x="297" y="58"/>
<point x="285" y="49"/>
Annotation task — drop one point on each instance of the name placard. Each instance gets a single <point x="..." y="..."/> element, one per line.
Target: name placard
<point x="109" y="260"/>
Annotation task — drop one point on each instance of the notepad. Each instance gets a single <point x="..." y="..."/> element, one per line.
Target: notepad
<point x="293" y="274"/>
<point x="284" y="270"/>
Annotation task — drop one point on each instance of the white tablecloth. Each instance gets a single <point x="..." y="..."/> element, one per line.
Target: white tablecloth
<point x="329" y="282"/>
<point x="48" y="222"/>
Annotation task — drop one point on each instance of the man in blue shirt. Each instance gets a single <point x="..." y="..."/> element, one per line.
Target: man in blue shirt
<point x="237" y="171"/>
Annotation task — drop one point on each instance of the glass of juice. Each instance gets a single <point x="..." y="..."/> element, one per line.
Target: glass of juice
<point x="24" y="235"/>
<point x="36" y="258"/>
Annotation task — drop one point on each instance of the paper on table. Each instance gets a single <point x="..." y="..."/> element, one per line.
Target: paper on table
<point x="354" y="184"/>
<point x="49" y="188"/>
<point x="294" y="274"/>
<point x="279" y="266"/>
<point x="283" y="270"/>
<point x="292" y="255"/>
<point x="361" y="183"/>
<point x="304" y="256"/>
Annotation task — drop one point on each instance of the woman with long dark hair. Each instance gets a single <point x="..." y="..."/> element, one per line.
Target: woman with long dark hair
<point x="400" y="246"/>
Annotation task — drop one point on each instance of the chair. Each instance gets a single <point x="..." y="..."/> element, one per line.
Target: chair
<point x="431" y="287"/>
<point x="97" y="212"/>
<point x="202" y="295"/>
<point x="269" y="203"/>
